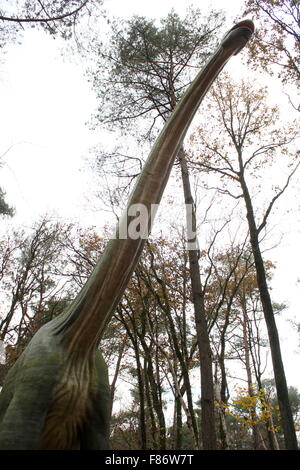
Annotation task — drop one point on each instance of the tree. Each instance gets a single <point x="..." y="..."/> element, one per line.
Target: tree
<point x="254" y="139"/>
<point x="59" y="16"/>
<point x="227" y="272"/>
<point x="277" y="40"/>
<point x="248" y="339"/>
<point x="27" y="277"/>
<point x="263" y="401"/>
<point x="31" y="291"/>
<point x="149" y="69"/>
<point x="145" y="68"/>
<point x="125" y="429"/>
<point x="235" y="323"/>
<point x="155" y="314"/>
<point x="5" y="209"/>
<point x="169" y="288"/>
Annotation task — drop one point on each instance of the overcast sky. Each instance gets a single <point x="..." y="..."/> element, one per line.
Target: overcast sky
<point x="45" y="104"/>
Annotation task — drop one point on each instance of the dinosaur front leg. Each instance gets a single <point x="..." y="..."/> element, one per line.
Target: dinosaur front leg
<point x="27" y="405"/>
<point x="95" y="433"/>
<point x="27" y="393"/>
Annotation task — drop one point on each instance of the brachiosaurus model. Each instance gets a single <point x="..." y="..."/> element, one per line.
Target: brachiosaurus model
<point x="57" y="396"/>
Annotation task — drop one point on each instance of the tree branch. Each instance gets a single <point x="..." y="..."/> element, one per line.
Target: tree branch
<point x="267" y="213"/>
<point x="44" y="20"/>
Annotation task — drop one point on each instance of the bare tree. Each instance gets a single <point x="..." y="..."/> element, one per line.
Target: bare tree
<point x="277" y="40"/>
<point x="56" y="17"/>
<point x="251" y="142"/>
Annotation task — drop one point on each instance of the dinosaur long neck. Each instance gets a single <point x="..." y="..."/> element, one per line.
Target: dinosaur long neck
<point x="83" y="323"/>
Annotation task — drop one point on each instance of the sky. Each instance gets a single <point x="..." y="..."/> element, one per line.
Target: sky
<point x="46" y="102"/>
<point x="161" y="8"/>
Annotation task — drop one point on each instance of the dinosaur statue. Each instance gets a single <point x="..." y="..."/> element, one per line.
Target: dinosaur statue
<point x="57" y="396"/>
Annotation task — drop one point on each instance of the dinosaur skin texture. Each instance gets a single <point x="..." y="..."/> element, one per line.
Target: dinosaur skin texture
<point x="52" y="401"/>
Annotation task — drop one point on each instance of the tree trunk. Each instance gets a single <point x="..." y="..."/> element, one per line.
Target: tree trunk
<point x="116" y="374"/>
<point x="156" y="397"/>
<point x="150" y="409"/>
<point x="252" y="411"/>
<point x="165" y="307"/>
<point x="143" y="433"/>
<point x="207" y="387"/>
<point x="279" y="374"/>
<point x="178" y="424"/>
<point x="133" y="336"/>
<point x="221" y="418"/>
<point x="272" y="439"/>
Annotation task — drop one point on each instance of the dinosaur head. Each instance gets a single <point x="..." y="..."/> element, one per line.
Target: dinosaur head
<point x="238" y="35"/>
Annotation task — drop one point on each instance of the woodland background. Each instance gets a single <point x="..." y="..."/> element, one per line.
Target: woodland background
<point x="188" y="349"/>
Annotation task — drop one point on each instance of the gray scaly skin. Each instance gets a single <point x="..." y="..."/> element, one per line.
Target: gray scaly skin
<point x="57" y="394"/>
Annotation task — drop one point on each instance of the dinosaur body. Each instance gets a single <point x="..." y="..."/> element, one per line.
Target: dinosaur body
<point x="66" y="405"/>
<point x="57" y="395"/>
